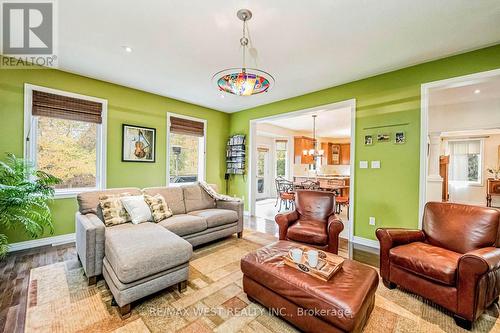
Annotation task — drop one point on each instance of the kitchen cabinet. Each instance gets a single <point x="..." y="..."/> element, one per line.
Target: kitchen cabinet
<point x="345" y="154"/>
<point x="302" y="143"/>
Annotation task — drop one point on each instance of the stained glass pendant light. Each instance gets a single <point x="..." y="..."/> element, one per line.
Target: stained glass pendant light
<point x="243" y="81"/>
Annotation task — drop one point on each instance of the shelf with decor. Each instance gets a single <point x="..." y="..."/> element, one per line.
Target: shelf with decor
<point x="235" y="155"/>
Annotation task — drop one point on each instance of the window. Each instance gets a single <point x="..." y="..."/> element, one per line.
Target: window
<point x="466" y="161"/>
<point x="65" y="137"/>
<point x="281" y="158"/>
<point x="186" y="149"/>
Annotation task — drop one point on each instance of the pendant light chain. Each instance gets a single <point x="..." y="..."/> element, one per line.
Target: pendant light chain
<point x="244" y="43"/>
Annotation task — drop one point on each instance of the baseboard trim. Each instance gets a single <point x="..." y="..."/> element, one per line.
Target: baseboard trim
<point x="366" y="242"/>
<point x="54" y="240"/>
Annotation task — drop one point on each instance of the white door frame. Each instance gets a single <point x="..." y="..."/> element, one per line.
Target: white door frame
<point x="351" y="103"/>
<point x="424" y="124"/>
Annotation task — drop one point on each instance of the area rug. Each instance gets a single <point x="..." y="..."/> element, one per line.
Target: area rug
<point x="59" y="300"/>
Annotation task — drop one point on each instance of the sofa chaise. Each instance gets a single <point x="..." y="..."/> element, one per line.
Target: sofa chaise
<point x="139" y="259"/>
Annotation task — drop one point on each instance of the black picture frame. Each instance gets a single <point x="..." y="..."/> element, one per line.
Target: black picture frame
<point x="142" y="141"/>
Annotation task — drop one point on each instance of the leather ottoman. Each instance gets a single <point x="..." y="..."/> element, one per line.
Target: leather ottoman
<point x="343" y="304"/>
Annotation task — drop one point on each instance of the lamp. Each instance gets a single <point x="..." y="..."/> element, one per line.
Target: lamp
<point x="243" y="81"/>
<point x="315" y="152"/>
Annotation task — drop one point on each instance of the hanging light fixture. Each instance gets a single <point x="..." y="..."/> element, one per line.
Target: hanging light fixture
<point x="315" y="152"/>
<point x="243" y="81"/>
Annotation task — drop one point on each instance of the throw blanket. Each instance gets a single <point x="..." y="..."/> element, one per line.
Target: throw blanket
<point x="217" y="196"/>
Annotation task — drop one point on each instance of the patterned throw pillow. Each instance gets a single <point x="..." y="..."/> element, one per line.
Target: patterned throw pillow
<point x="159" y="208"/>
<point x="113" y="211"/>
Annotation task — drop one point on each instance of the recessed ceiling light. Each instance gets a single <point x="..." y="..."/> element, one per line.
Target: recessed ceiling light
<point x="477" y="91"/>
<point x="127" y="49"/>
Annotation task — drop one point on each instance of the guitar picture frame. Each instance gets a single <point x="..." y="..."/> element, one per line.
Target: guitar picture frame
<point x="138" y="144"/>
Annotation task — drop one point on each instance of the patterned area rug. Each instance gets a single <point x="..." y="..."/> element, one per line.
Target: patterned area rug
<point x="59" y="300"/>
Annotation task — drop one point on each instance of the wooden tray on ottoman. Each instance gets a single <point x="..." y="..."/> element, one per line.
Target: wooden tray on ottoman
<point x="328" y="263"/>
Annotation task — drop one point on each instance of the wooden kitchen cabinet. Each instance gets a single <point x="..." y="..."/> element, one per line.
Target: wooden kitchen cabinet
<point x="302" y="143"/>
<point x="345" y="154"/>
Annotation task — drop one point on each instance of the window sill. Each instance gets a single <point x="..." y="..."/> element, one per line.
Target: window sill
<point x="65" y="194"/>
<point x="180" y="184"/>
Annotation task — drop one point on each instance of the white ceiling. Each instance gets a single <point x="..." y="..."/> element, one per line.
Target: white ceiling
<point x="329" y="123"/>
<point x="306" y="45"/>
<point x="477" y="90"/>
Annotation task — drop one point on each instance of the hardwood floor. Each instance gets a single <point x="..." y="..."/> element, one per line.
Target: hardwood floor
<point x="14" y="279"/>
<point x="15" y="272"/>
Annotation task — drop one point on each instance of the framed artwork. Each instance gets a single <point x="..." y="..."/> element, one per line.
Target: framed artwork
<point x="368" y="140"/>
<point x="400" y="138"/>
<point x="383" y="137"/>
<point x="138" y="144"/>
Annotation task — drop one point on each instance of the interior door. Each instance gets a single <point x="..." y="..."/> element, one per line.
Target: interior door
<point x="262" y="172"/>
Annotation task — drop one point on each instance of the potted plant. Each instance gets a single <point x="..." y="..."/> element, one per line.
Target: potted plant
<point x="24" y="196"/>
<point x="494" y="172"/>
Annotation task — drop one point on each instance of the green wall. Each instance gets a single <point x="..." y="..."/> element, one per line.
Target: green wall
<point x="125" y="105"/>
<point x="390" y="194"/>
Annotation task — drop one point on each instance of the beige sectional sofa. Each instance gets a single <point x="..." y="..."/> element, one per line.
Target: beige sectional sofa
<point x="137" y="260"/>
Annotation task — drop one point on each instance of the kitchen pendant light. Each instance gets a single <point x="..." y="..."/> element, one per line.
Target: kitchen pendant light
<point x="243" y="81"/>
<point x="315" y="152"/>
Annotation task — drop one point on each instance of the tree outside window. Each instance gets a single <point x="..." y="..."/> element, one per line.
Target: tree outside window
<point x="281" y="157"/>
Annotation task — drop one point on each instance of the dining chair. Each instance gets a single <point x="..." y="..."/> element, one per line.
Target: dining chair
<point x="286" y="193"/>
<point x="310" y="185"/>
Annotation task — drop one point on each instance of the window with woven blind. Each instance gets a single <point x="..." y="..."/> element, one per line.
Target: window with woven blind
<point x="186" y="149"/>
<point x="64" y="107"/>
<point x="66" y="138"/>
<point x="186" y="126"/>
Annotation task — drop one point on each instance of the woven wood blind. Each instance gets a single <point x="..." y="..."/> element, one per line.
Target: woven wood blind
<point x="57" y="106"/>
<point x="186" y="126"/>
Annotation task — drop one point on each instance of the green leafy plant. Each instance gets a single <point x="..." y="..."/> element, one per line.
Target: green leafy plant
<point x="24" y="196"/>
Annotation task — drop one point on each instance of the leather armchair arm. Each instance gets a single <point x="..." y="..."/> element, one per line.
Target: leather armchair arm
<point x="334" y="228"/>
<point x="284" y="220"/>
<point x="391" y="237"/>
<point x="478" y="276"/>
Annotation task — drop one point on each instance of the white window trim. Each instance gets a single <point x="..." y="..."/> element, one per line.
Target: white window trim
<point x="480" y="183"/>
<point x="202" y="149"/>
<point x="30" y="124"/>
<point x="287" y="159"/>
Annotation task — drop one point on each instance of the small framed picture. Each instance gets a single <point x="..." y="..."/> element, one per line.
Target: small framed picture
<point x="368" y="140"/>
<point x="383" y="137"/>
<point x="400" y="138"/>
<point x="138" y="144"/>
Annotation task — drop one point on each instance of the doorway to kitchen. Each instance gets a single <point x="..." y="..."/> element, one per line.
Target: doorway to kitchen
<point x="296" y="150"/>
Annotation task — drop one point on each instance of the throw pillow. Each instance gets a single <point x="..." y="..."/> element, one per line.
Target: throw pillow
<point x="112" y="209"/>
<point x="159" y="207"/>
<point x="137" y="208"/>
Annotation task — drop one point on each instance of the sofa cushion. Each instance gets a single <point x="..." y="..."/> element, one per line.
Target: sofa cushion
<point x="158" y="206"/>
<point x="137" y="208"/>
<point x="308" y="231"/>
<point x="112" y="212"/>
<point x="428" y="261"/>
<point x="196" y="198"/>
<point x="174" y="197"/>
<point x="88" y="202"/>
<point x="216" y="217"/>
<point x="137" y="251"/>
<point x="183" y="224"/>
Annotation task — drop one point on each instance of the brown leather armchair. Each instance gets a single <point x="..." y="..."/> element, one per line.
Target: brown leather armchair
<point x="313" y="222"/>
<point x="454" y="261"/>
